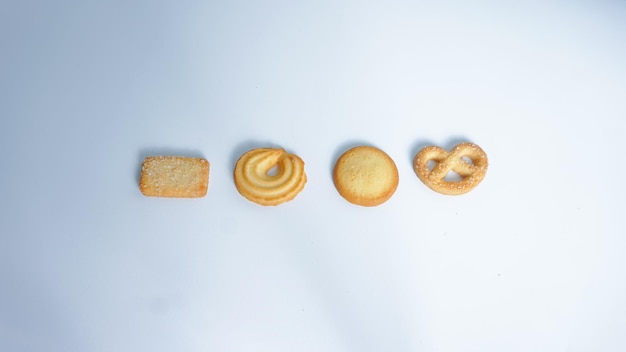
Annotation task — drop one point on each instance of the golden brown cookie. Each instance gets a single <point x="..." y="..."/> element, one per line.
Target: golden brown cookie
<point x="471" y="173"/>
<point x="365" y="176"/>
<point x="174" y="177"/>
<point x="255" y="181"/>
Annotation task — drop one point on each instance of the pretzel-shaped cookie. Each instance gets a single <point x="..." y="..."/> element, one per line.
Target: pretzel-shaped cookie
<point x="254" y="181"/>
<point x="471" y="173"/>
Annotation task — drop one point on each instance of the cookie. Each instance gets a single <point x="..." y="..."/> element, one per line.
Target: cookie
<point x="365" y="176"/>
<point x="174" y="177"/>
<point x="457" y="161"/>
<point x="255" y="180"/>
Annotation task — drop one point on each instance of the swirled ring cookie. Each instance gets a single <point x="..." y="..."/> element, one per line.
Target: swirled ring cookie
<point x="255" y="180"/>
<point x="365" y="176"/>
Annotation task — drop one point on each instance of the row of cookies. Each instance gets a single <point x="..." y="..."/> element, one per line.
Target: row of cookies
<point x="363" y="175"/>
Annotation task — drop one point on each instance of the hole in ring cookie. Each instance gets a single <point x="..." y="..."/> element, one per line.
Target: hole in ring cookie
<point x="273" y="171"/>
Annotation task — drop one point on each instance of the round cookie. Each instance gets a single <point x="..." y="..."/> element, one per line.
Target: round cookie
<point x="255" y="182"/>
<point x="365" y="176"/>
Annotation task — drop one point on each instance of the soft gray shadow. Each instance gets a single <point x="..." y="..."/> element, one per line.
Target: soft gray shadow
<point x="454" y="141"/>
<point x="416" y="147"/>
<point x="163" y="151"/>
<point x="422" y="143"/>
<point x="344" y="148"/>
<point x="245" y="146"/>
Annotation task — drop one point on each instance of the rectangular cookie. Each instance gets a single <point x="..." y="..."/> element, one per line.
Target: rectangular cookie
<point x="174" y="177"/>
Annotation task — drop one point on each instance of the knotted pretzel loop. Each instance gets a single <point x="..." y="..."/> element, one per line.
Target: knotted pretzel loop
<point x="471" y="173"/>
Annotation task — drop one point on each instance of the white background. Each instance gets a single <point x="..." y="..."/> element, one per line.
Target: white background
<point x="531" y="260"/>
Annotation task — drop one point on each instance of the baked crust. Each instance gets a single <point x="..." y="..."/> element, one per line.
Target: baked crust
<point x="174" y="177"/>
<point x="255" y="181"/>
<point x="471" y="174"/>
<point x="365" y="176"/>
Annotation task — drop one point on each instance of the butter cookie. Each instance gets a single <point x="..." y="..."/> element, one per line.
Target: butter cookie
<point x="365" y="176"/>
<point x="255" y="180"/>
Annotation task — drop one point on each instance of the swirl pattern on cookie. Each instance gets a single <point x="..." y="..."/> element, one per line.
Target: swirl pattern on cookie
<point x="255" y="180"/>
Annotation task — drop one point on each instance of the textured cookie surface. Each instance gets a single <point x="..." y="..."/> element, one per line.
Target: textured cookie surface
<point x="255" y="181"/>
<point x="471" y="171"/>
<point x="365" y="176"/>
<point x="174" y="177"/>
